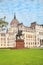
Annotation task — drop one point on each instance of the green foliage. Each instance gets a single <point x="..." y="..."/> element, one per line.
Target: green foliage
<point x="21" y="57"/>
<point x="3" y="23"/>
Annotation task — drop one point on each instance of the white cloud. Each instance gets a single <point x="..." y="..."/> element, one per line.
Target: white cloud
<point x="26" y="10"/>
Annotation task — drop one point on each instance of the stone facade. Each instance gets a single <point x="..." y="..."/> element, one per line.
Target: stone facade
<point x="32" y="36"/>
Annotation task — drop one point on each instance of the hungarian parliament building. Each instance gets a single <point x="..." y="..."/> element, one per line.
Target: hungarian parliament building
<point x="32" y="36"/>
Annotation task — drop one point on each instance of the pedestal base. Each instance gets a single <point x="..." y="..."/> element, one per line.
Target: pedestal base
<point x="19" y="44"/>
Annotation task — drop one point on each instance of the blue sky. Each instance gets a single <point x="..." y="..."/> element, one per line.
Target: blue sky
<point x="26" y="11"/>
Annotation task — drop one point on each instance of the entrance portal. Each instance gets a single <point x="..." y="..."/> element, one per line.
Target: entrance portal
<point x="41" y="41"/>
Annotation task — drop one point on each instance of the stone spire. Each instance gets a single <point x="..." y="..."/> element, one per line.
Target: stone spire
<point x="14" y="16"/>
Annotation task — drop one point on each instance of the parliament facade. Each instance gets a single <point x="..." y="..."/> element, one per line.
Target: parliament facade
<point x="32" y="36"/>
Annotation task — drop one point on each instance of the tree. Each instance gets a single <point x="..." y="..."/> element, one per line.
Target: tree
<point x="3" y="23"/>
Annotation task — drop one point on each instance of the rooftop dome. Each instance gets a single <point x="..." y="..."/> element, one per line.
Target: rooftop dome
<point x="14" y="21"/>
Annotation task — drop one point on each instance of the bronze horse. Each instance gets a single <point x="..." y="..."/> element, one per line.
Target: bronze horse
<point x="19" y="34"/>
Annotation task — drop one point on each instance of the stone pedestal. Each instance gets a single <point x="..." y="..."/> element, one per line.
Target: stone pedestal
<point x="19" y="44"/>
